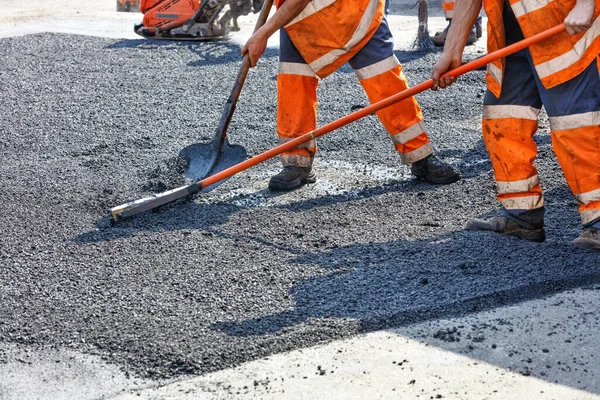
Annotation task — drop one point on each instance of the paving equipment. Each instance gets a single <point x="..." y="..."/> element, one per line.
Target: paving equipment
<point x="191" y="19"/>
<point x="207" y="184"/>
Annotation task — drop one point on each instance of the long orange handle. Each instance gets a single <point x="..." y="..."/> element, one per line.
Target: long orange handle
<point x="478" y="63"/>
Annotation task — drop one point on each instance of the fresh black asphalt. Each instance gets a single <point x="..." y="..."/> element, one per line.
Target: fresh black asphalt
<point x="88" y="123"/>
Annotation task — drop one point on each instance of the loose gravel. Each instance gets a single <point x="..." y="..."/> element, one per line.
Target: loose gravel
<point x="239" y="273"/>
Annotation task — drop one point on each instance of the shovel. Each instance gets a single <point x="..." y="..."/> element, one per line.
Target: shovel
<point x="148" y="203"/>
<point x="205" y="159"/>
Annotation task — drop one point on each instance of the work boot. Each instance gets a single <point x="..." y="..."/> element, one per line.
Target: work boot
<point x="589" y="238"/>
<point x="434" y="170"/>
<point x="291" y="178"/>
<point x="507" y="227"/>
<point x="439" y="39"/>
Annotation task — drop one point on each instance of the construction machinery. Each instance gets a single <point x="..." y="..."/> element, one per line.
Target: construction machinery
<point x="192" y="19"/>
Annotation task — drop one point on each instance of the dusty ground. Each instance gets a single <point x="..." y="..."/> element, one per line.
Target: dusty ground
<point x="539" y="349"/>
<point x="87" y="123"/>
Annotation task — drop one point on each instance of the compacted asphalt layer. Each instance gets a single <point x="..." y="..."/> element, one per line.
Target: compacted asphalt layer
<point x="241" y="272"/>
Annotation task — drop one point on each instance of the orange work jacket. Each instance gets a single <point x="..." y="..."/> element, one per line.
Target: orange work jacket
<point x="557" y="59"/>
<point x="327" y="33"/>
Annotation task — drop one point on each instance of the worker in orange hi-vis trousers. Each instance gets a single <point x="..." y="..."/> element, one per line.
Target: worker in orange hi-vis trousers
<point x="318" y="37"/>
<point x="439" y="39"/>
<point x="562" y="74"/>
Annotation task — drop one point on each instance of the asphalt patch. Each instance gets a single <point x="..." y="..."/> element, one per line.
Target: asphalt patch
<point x="239" y="273"/>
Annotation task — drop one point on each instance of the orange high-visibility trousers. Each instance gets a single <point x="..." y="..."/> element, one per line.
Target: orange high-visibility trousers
<point x="510" y="122"/>
<point x="380" y="75"/>
<point x="448" y="6"/>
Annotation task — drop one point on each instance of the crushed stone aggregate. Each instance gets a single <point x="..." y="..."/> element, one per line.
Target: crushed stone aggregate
<point x="239" y="273"/>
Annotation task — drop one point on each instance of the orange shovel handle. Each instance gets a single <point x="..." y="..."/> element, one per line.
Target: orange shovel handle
<point x="478" y="63"/>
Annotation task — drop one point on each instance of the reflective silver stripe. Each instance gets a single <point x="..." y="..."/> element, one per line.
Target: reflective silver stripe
<point x="510" y="111"/>
<point x="495" y="72"/>
<point x="588" y="216"/>
<point x="572" y="56"/>
<point x="449" y="14"/>
<point x="288" y="68"/>
<point x="377" y="69"/>
<point x="521" y="186"/>
<point x="311" y="8"/>
<point x="357" y="36"/>
<point x="417" y="154"/>
<point x="523" y="203"/>
<point x="409" y="133"/>
<point x="588" y="197"/>
<point x="311" y="144"/>
<point x="526" y="6"/>
<point x="575" y="121"/>
<point x="296" y="161"/>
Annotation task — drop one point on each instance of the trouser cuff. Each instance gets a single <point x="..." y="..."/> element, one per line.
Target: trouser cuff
<point x="529" y="219"/>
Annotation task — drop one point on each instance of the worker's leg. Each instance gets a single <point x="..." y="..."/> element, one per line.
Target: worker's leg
<point x="296" y="115"/>
<point x="381" y="76"/>
<point x="296" y="103"/>
<point x="509" y="123"/>
<point x="574" y="111"/>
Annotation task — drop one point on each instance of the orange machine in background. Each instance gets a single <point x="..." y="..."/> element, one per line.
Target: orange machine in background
<point x="191" y="19"/>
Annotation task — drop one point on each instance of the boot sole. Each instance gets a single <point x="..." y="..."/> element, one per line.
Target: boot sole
<point x="295" y="184"/>
<point x="587" y="243"/>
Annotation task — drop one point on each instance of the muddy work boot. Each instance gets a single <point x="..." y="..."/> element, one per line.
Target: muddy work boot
<point x="439" y="39"/>
<point x="507" y="227"/>
<point x="433" y="170"/>
<point x="589" y="238"/>
<point x="291" y="178"/>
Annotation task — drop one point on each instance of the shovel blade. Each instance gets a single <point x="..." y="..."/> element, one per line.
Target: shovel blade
<point x="206" y="160"/>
